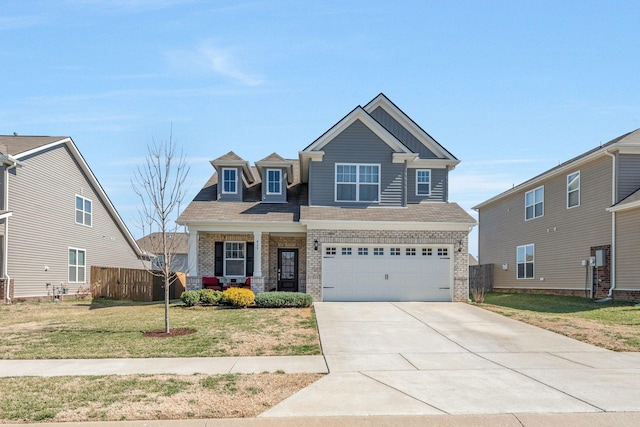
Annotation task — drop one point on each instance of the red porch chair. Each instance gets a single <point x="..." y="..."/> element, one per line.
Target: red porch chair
<point x="211" y="283"/>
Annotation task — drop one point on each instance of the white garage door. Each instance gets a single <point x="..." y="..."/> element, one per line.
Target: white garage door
<point x="387" y="273"/>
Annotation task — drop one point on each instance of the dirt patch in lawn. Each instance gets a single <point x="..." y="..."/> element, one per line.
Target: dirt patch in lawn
<point x="148" y="397"/>
<point x="173" y="332"/>
<point x="617" y="337"/>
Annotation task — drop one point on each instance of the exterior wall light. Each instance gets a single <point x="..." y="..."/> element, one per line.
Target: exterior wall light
<point x="315" y="245"/>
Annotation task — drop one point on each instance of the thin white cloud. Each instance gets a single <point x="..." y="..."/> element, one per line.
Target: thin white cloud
<point x="222" y="61"/>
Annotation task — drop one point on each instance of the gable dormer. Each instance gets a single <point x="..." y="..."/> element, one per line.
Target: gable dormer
<point x="276" y="173"/>
<point x="234" y="175"/>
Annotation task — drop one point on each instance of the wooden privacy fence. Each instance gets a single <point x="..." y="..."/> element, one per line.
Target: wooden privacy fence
<point x="481" y="277"/>
<point x="132" y="284"/>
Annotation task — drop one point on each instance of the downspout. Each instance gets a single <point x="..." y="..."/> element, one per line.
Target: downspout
<point x="612" y="254"/>
<point x="5" y="241"/>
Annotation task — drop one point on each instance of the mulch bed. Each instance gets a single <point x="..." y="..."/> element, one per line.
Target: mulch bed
<point x="173" y="332"/>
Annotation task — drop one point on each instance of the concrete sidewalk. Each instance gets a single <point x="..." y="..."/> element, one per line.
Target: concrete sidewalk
<point x="618" y="419"/>
<point x="178" y="366"/>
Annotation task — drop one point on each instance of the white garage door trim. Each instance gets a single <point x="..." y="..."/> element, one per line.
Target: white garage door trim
<point x="387" y="272"/>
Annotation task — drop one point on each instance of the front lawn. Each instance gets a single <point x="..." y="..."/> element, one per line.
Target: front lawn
<point x="614" y="325"/>
<point x="113" y="329"/>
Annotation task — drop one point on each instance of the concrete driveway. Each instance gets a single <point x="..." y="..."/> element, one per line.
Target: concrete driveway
<point x="454" y="358"/>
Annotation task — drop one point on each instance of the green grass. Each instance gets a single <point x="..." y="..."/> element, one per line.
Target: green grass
<point x="614" y="325"/>
<point x="105" y="329"/>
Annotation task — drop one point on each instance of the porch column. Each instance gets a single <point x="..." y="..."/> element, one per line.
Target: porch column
<point x="257" y="282"/>
<point x="193" y="280"/>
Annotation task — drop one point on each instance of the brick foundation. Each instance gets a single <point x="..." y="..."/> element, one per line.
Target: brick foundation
<point x="617" y="295"/>
<point x="3" y="291"/>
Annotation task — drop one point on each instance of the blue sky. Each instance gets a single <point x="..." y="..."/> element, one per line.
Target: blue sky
<point x="510" y="88"/>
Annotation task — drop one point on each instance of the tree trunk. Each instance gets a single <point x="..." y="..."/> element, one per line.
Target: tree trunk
<point x="167" y="283"/>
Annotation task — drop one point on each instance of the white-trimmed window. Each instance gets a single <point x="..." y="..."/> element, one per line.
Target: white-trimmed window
<point x="423" y="182"/>
<point x="525" y="261"/>
<point x="573" y="190"/>
<point x="77" y="265"/>
<point x="83" y="211"/>
<point x="357" y="183"/>
<point x="229" y="180"/>
<point x="274" y="181"/>
<point x="534" y="203"/>
<point x="234" y="259"/>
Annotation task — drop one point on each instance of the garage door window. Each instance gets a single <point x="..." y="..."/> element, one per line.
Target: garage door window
<point x="346" y="251"/>
<point x="443" y="252"/>
<point x="394" y="251"/>
<point x="410" y="252"/>
<point x="378" y="251"/>
<point x="427" y="251"/>
<point x="363" y="251"/>
<point x="330" y="251"/>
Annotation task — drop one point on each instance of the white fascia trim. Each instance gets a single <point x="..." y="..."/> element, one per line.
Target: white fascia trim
<point x="6" y="215"/>
<point x="9" y="160"/>
<point x="628" y="148"/>
<point x="242" y="164"/>
<point x="244" y="227"/>
<point x="407" y="123"/>
<point x="624" y="207"/>
<point x="306" y="157"/>
<point x="404" y="157"/>
<point x="386" y="225"/>
<point x="359" y="114"/>
<point x="94" y="181"/>
<point x="288" y="166"/>
<point x="535" y="182"/>
<point x="433" y="164"/>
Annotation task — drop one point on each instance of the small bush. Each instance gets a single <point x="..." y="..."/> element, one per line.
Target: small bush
<point x="190" y="298"/>
<point x="209" y="296"/>
<point x="283" y="299"/>
<point x="238" y="297"/>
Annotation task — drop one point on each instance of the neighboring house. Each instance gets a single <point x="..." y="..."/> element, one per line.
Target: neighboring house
<point x="56" y="221"/>
<point x="361" y="215"/>
<point x="572" y="226"/>
<point x="178" y="245"/>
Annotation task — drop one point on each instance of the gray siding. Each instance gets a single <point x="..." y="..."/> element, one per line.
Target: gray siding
<point x="562" y="237"/>
<point x="42" y="228"/>
<point x="628" y="174"/>
<point x="627" y="253"/>
<point x="356" y="144"/>
<point x="439" y="184"/>
<point x="402" y="134"/>
<point x="274" y="198"/>
<point x="230" y="197"/>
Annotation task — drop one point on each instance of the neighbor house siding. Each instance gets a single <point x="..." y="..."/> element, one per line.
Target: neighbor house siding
<point x="562" y="237"/>
<point x="628" y="174"/>
<point x="356" y="144"/>
<point x="43" y="228"/>
<point x="627" y="250"/>
<point x="402" y="134"/>
<point x="439" y="186"/>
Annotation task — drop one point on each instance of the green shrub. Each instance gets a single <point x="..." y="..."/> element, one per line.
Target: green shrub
<point x="238" y="297"/>
<point x="190" y="298"/>
<point x="283" y="299"/>
<point x="209" y="296"/>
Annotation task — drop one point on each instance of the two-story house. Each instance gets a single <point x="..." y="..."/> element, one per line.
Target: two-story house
<point x="361" y="215"/>
<point x="574" y="229"/>
<point x="56" y="220"/>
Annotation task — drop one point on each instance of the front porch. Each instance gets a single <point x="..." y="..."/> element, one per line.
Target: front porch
<point x="272" y="260"/>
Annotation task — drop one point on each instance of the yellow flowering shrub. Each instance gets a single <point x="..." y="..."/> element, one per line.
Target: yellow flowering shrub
<point x="238" y="297"/>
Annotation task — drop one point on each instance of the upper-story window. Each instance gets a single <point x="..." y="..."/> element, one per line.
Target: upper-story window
<point x="229" y="180"/>
<point x="534" y="203"/>
<point x="357" y="183"/>
<point x="573" y="189"/>
<point x="525" y="261"/>
<point x="83" y="211"/>
<point x="274" y="181"/>
<point x="423" y="182"/>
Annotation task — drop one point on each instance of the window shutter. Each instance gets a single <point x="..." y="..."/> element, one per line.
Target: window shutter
<point x="249" y="271"/>
<point x="219" y="259"/>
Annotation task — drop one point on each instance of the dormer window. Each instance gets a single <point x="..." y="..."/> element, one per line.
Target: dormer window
<point x="230" y="181"/>
<point x="274" y="181"/>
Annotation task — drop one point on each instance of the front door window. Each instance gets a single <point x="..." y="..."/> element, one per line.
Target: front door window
<point x="288" y="270"/>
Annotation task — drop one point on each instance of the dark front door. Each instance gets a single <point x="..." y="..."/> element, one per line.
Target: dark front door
<point x="288" y="270"/>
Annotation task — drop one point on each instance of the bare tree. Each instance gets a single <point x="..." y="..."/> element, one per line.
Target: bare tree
<point x="160" y="184"/>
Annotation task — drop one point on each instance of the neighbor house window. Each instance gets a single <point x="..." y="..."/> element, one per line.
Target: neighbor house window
<point x="573" y="189"/>
<point x="534" y="203"/>
<point x="274" y="185"/>
<point x="83" y="211"/>
<point x="525" y="261"/>
<point x="77" y="265"/>
<point x="357" y="183"/>
<point x="423" y="182"/>
<point x="234" y="260"/>
<point x="230" y="181"/>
